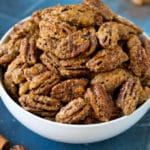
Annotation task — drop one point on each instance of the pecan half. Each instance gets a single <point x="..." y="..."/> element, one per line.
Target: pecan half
<point x="69" y="89"/>
<point x="23" y="29"/>
<point x="139" y="60"/>
<point x="40" y="105"/>
<point x="73" y="112"/>
<point x="111" y="80"/>
<point x="28" y="51"/>
<point x="110" y="33"/>
<point x="74" y="67"/>
<point x="100" y="102"/>
<point x="107" y="60"/>
<point x="18" y="147"/>
<point x="80" y="42"/>
<point x="129" y="96"/>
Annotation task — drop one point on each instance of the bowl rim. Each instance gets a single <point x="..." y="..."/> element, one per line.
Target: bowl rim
<point x="3" y="93"/>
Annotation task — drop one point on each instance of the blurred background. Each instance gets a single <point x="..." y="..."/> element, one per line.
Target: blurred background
<point x="136" y="138"/>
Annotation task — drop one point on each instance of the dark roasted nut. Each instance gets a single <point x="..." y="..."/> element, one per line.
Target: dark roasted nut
<point x="110" y="33"/>
<point x="4" y="143"/>
<point x="100" y="102"/>
<point x="41" y="105"/>
<point x="54" y="28"/>
<point x="101" y="8"/>
<point x="28" y="51"/>
<point x="116" y="113"/>
<point x="69" y="89"/>
<point x="74" y="67"/>
<point x="23" y="29"/>
<point x="74" y="112"/>
<point x="129" y="96"/>
<point x="18" y="147"/>
<point x="128" y="23"/>
<point x="139" y="60"/>
<point x="111" y="80"/>
<point x="107" y="60"/>
<point x="80" y="42"/>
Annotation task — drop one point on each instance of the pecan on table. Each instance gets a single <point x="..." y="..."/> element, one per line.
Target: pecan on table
<point x="100" y="102"/>
<point x="141" y="2"/>
<point x="110" y="33"/>
<point x="40" y="105"/>
<point x="129" y="96"/>
<point x="107" y="60"/>
<point x="74" y="112"/>
<point x="74" y="67"/>
<point x="18" y="147"/>
<point x="139" y="59"/>
<point x="111" y="80"/>
<point x="4" y="143"/>
<point x="69" y="89"/>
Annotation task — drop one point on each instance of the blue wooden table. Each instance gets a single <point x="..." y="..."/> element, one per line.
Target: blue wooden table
<point x="136" y="138"/>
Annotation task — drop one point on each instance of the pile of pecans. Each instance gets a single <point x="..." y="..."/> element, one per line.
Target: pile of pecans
<point x="5" y="145"/>
<point x="77" y="64"/>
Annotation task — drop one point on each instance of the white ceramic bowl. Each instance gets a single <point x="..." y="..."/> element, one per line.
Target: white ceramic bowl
<point x="70" y="133"/>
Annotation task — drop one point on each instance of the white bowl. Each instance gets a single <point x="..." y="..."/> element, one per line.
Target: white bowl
<point x="70" y="133"/>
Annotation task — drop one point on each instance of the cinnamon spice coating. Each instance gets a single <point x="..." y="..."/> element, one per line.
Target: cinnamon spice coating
<point x="77" y="64"/>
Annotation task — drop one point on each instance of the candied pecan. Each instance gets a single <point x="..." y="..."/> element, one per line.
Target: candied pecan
<point x="126" y="22"/>
<point x="81" y="15"/>
<point x="116" y="113"/>
<point x="33" y="71"/>
<point x="50" y="61"/>
<point x="18" y="147"/>
<point x="139" y="60"/>
<point x="69" y="89"/>
<point x="110" y="33"/>
<point x="24" y="88"/>
<point x="80" y="42"/>
<point x="111" y="80"/>
<point x="8" y="51"/>
<point x="100" y="102"/>
<point x="28" y="51"/>
<point x="101" y="8"/>
<point x="145" y="94"/>
<point x="73" y="112"/>
<point x="129" y="96"/>
<point x="23" y="29"/>
<point x="107" y="60"/>
<point x="41" y="105"/>
<point x="54" y="28"/>
<point x="74" y="67"/>
<point x="141" y="2"/>
<point x="4" y="143"/>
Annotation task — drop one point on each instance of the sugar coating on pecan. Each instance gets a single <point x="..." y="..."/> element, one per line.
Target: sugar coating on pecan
<point x="110" y="33"/>
<point x="41" y="105"/>
<point x="107" y="60"/>
<point x="111" y="80"/>
<point x="69" y="89"/>
<point x="100" y="102"/>
<point x="129" y="96"/>
<point x="73" y="112"/>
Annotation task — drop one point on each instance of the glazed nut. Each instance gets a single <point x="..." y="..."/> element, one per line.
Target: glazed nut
<point x="18" y="147"/>
<point x="4" y="143"/>
<point x="129" y="96"/>
<point x="74" y="112"/>
<point x="100" y="102"/>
